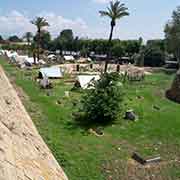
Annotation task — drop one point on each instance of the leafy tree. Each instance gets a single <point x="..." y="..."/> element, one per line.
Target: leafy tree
<point x="66" y="39"/>
<point x="172" y="34"/>
<point x="150" y="55"/>
<point x="157" y="43"/>
<point x="118" y="50"/>
<point x="154" y="58"/>
<point x="45" y="39"/>
<point x="1" y="39"/>
<point x="75" y="43"/>
<point x="84" y="52"/>
<point x="28" y="36"/>
<point x="14" y="47"/>
<point x="98" y="46"/>
<point x="116" y="11"/>
<point x="67" y="35"/>
<point x="40" y="23"/>
<point x="131" y="47"/>
<point x="14" y="38"/>
<point x="103" y="103"/>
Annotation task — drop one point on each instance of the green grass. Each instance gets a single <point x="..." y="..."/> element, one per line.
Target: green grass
<point x="84" y="156"/>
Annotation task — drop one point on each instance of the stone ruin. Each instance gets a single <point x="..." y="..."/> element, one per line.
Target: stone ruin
<point x="174" y="92"/>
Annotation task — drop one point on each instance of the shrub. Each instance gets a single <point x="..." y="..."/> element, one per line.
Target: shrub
<point x="103" y="103"/>
<point x="155" y="58"/>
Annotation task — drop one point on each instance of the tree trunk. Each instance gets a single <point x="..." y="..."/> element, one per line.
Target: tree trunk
<point x="109" y="51"/>
<point x="38" y="45"/>
<point x="34" y="57"/>
<point x="118" y="68"/>
<point x="29" y="46"/>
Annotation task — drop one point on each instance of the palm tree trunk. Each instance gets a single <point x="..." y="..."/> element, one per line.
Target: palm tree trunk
<point x="29" y="46"/>
<point x="38" y="45"/>
<point x="34" y="56"/>
<point x="109" y="51"/>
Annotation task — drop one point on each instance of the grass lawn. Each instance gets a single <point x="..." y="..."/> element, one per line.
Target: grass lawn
<point x="87" y="157"/>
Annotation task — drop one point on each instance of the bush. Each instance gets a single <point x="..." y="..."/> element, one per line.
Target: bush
<point x="155" y="58"/>
<point x="150" y="56"/>
<point x="103" y="103"/>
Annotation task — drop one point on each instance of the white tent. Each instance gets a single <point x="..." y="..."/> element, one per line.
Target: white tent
<point x="2" y="52"/>
<point x="20" y="59"/>
<point x="29" y="60"/>
<point x="42" y="62"/>
<point x="85" y="81"/>
<point x="69" y="58"/>
<point x="51" y="72"/>
<point x="52" y="56"/>
<point x="11" y="54"/>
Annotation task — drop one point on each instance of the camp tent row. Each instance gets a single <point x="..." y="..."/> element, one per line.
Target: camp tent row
<point x="19" y="59"/>
<point x="85" y="81"/>
<point x="69" y="58"/>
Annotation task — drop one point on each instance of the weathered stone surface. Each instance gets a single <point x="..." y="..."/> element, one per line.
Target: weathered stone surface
<point x="174" y="93"/>
<point x="23" y="153"/>
<point x="130" y="115"/>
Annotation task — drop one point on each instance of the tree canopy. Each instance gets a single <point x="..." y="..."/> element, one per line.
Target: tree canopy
<point x="40" y="23"/>
<point x="14" y="38"/>
<point x="65" y="40"/>
<point x="28" y="36"/>
<point x="172" y="34"/>
<point x="115" y="11"/>
<point x="1" y="38"/>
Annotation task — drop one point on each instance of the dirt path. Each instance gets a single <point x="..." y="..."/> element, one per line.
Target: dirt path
<point x="23" y="153"/>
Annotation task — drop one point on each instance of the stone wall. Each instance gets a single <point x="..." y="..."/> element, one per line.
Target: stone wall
<point x="23" y="153"/>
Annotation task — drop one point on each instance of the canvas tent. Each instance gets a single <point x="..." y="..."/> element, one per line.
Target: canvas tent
<point x="51" y="72"/>
<point x="69" y="58"/>
<point x="11" y="54"/>
<point x="85" y="81"/>
<point x="42" y="62"/>
<point x="29" y="61"/>
<point x="20" y="59"/>
<point x="52" y="57"/>
<point x="2" y="52"/>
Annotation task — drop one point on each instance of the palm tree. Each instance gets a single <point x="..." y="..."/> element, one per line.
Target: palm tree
<point x="116" y="11"/>
<point x="28" y="36"/>
<point x="40" y="23"/>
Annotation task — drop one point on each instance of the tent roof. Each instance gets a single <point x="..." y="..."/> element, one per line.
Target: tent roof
<point x="11" y="54"/>
<point x="85" y="80"/>
<point x="68" y="58"/>
<point x="51" y="56"/>
<point x="51" y="72"/>
<point x="20" y="59"/>
<point x="29" y="60"/>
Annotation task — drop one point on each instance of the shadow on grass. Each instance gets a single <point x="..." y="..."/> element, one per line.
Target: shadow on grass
<point x="80" y="121"/>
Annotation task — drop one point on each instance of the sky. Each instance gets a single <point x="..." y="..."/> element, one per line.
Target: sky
<point x="147" y="17"/>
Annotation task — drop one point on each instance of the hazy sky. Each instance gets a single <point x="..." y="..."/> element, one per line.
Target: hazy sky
<point x="147" y="17"/>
